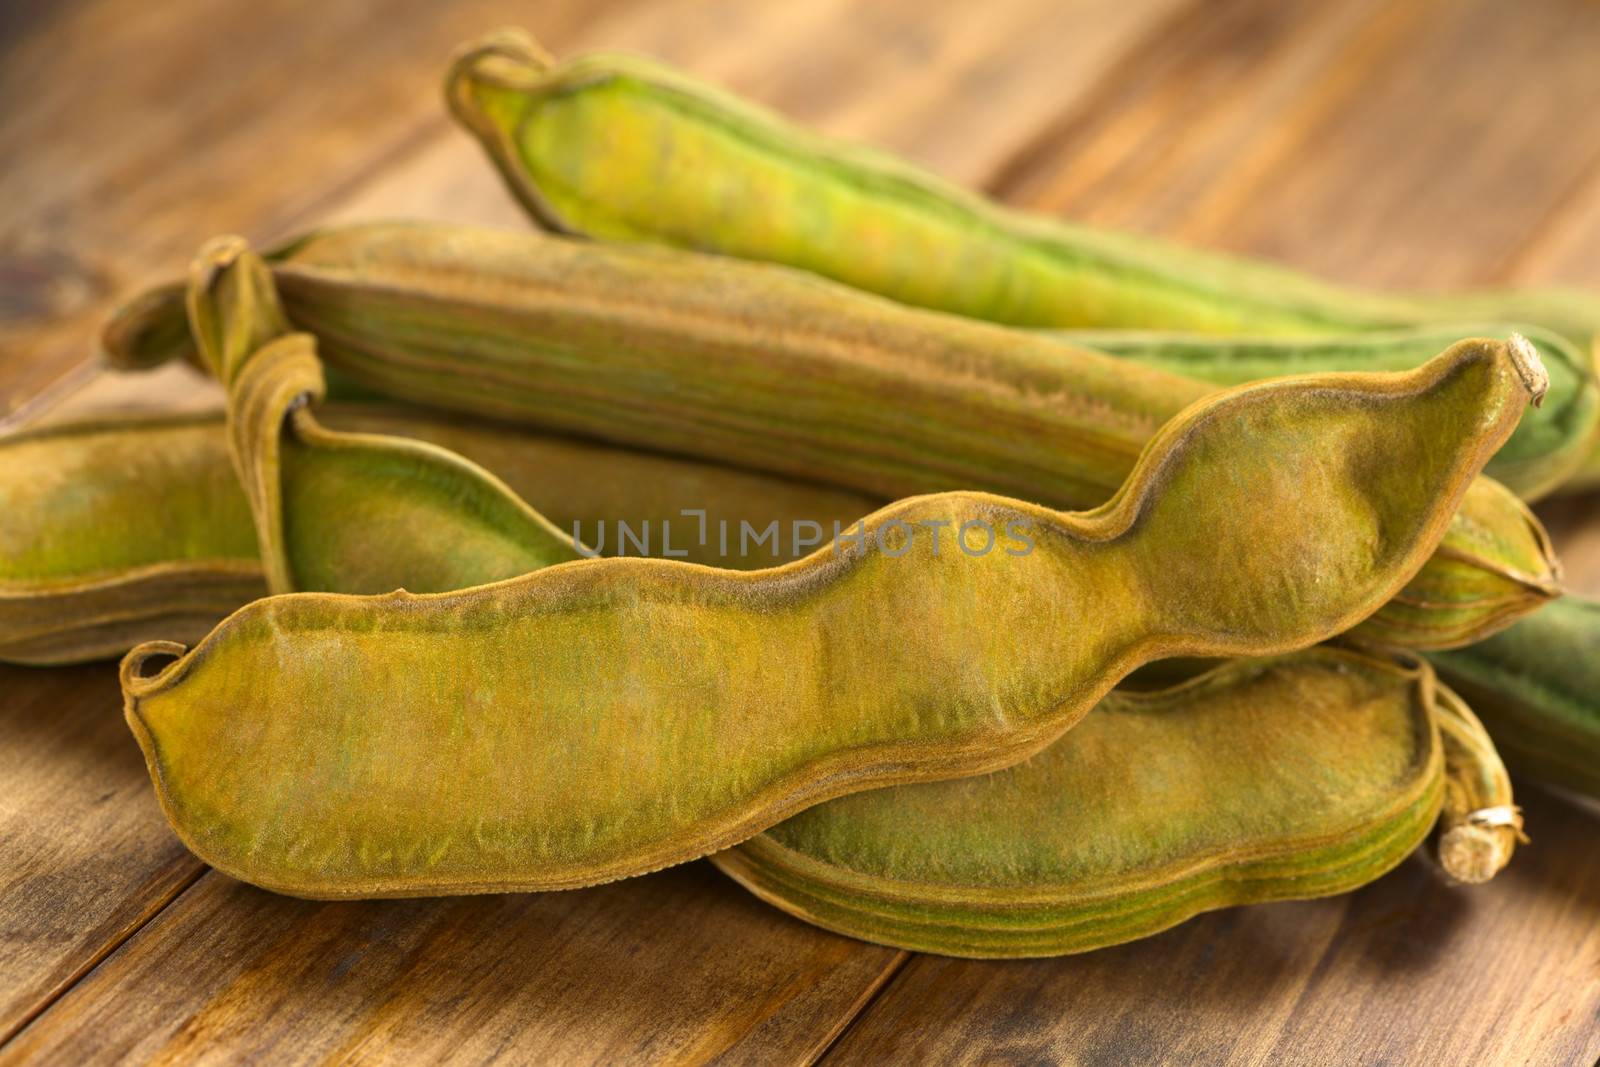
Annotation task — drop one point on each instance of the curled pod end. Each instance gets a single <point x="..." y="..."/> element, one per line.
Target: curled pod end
<point x="1475" y="850"/>
<point x="490" y="84"/>
<point x="508" y="58"/>
<point x="1525" y="358"/>
<point x="1479" y="824"/>
<point x="131" y="672"/>
<point x="216" y="256"/>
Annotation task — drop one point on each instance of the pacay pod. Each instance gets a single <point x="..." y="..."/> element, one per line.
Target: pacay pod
<point x="603" y="718"/>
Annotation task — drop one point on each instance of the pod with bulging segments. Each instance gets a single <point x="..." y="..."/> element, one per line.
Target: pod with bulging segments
<point x="575" y="141"/>
<point x="1300" y="776"/>
<point x="1537" y="687"/>
<point x="604" y="718"/>
<point x="763" y="367"/>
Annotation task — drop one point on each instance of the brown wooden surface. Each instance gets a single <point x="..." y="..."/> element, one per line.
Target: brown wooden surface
<point x="1424" y="144"/>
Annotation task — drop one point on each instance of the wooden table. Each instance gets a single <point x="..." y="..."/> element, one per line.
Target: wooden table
<point x="1422" y="143"/>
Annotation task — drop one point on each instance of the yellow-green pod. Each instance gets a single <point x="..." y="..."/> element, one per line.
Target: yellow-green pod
<point x="116" y="533"/>
<point x="624" y="148"/>
<point x="91" y="568"/>
<point x="621" y="147"/>
<point x="1301" y="776"/>
<point x="605" y="717"/>
<point x="336" y="511"/>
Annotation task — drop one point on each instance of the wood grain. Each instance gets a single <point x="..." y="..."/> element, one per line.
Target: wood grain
<point x="150" y="127"/>
<point x="1418" y="145"/>
<point x="87" y="855"/>
<point x="1407" y="970"/>
<point x="942" y="83"/>
<point x="680" y="966"/>
<point x="1432" y="143"/>
<point x="286" y="112"/>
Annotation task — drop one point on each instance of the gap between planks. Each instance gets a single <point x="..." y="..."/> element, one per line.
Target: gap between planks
<point x="863" y="1007"/>
<point x="100" y="955"/>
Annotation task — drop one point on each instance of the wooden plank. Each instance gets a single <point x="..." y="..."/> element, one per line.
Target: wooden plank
<point x="160" y="125"/>
<point x="1407" y="970"/>
<point x="88" y="857"/>
<point x="952" y="87"/>
<point x="150" y="127"/>
<point x="680" y="966"/>
<point x="1388" y="144"/>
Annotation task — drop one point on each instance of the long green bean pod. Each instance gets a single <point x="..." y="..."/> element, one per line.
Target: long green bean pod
<point x="622" y="148"/>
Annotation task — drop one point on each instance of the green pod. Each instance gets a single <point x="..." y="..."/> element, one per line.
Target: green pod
<point x="607" y="717"/>
<point x="743" y="363"/>
<point x="622" y="148"/>
<point x="71" y="592"/>
<point x="767" y="368"/>
<point x="1549" y="446"/>
<point x="115" y="534"/>
<point x="1300" y="776"/>
<point x="1537" y="687"/>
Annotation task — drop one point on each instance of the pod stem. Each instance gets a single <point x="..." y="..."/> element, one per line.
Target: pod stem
<point x="1479" y="824"/>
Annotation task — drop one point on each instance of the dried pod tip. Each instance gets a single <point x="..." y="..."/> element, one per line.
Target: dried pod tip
<point x="509" y="58"/>
<point x="1529" y="367"/>
<point x="131" y="671"/>
<point x="1474" y="850"/>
